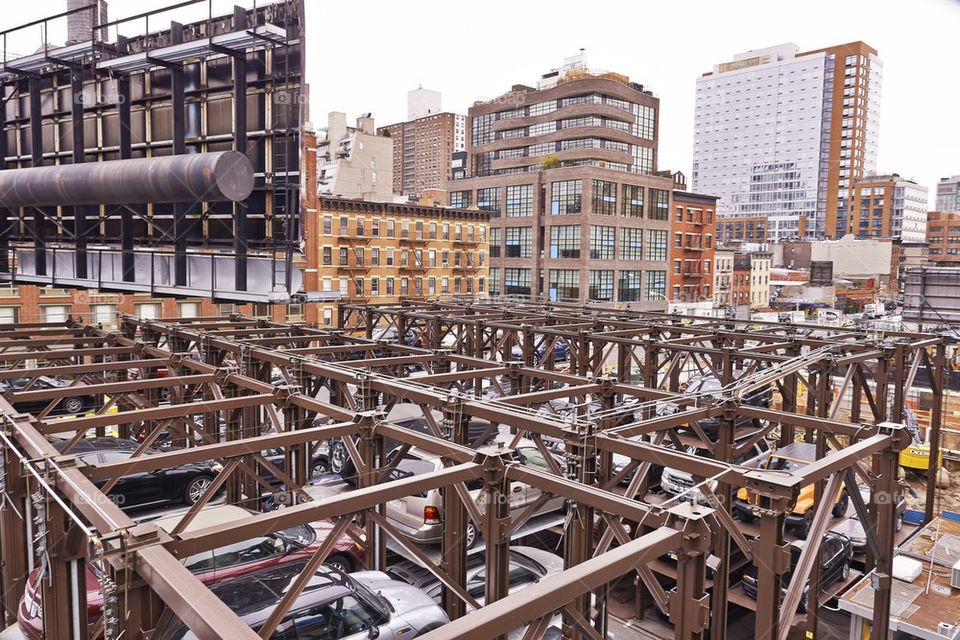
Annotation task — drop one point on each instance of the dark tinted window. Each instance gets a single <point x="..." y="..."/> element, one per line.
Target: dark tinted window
<point x="340" y="618"/>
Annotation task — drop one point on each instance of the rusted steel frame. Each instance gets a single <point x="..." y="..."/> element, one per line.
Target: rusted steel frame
<point x="727" y="522"/>
<point x="386" y="362"/>
<point x="538" y="628"/>
<point x="810" y="554"/>
<point x="652" y="425"/>
<point x="839" y="460"/>
<point x="535" y="397"/>
<point x="808" y="421"/>
<point x="538" y="600"/>
<point x="189" y="599"/>
<point x="437" y="446"/>
<point x="886" y="533"/>
<point x="865" y="356"/>
<point x="843" y="389"/>
<point x="153" y="413"/>
<point x="215" y="485"/>
<point x="643" y="571"/>
<point x="935" y="369"/>
<point x="49" y="342"/>
<point x="461" y="375"/>
<point x="524" y="516"/>
<point x="63" y="354"/>
<point x="652" y="453"/>
<point x="355" y="501"/>
<point x="294" y="589"/>
<point x="581" y="623"/>
<point x="424" y="560"/>
<point x="108" y="388"/>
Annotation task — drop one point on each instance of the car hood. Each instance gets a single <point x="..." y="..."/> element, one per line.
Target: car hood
<point x="407" y="601"/>
<point x="551" y="562"/>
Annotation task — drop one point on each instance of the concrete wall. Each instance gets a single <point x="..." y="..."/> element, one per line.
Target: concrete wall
<point x="855" y="258"/>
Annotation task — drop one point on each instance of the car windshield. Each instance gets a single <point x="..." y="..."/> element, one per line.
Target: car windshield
<point x="301" y="535"/>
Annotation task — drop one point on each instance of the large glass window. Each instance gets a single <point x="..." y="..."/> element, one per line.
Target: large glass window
<point x="565" y="241"/>
<point x="631" y="244"/>
<point x="482" y="129"/>
<point x="460" y="199"/>
<point x="656" y="285"/>
<point x="602" y="242"/>
<point x="629" y="287"/>
<point x="601" y="285"/>
<point x="516" y="281"/>
<point x="519" y="242"/>
<point x="633" y="200"/>
<point x="489" y="200"/>
<point x="604" y="197"/>
<point x="645" y="124"/>
<point x="659" y="204"/>
<point x="494" y="281"/>
<point x="494" y="242"/>
<point x="642" y="159"/>
<point x="564" y="284"/>
<point x="657" y="244"/>
<point x="519" y="200"/>
<point x="565" y="197"/>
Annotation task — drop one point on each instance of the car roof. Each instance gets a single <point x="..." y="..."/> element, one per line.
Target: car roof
<point x="207" y="517"/>
<point x="98" y="444"/>
<point x="805" y="451"/>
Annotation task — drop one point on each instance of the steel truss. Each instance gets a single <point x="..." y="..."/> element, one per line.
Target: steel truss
<point x="223" y="369"/>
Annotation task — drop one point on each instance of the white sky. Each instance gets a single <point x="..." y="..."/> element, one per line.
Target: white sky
<point x="366" y="56"/>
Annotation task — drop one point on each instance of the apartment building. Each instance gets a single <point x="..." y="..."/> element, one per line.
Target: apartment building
<point x="723" y="276"/>
<point x="424" y="146"/>
<point x="567" y="172"/>
<point x="782" y="134"/>
<point x="751" y="279"/>
<point x="384" y="253"/>
<point x="943" y="238"/>
<point x="736" y="228"/>
<point x="888" y="207"/>
<point x="692" y="232"/>
<point x="354" y="162"/>
<point x="948" y="195"/>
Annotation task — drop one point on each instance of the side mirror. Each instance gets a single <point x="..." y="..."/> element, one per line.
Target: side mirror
<point x="374" y="632"/>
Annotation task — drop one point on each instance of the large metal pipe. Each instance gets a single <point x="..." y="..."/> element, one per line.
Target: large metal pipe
<point x="198" y="177"/>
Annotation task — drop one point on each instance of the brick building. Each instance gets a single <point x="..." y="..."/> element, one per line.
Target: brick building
<point x="692" y="231"/>
<point x="943" y="238"/>
<point x="888" y="207"/>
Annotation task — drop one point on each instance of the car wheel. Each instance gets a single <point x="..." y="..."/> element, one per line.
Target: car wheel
<point x="845" y="571"/>
<point x="803" y="529"/>
<point x="195" y="488"/>
<point x="840" y="508"/>
<point x="338" y="456"/>
<point x="319" y="468"/>
<point x="899" y="522"/>
<point x="340" y="562"/>
<point x="802" y="608"/>
<point x="472" y="535"/>
<point x="72" y="405"/>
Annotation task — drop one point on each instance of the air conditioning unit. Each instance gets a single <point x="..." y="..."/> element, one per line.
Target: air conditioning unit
<point x="955" y="575"/>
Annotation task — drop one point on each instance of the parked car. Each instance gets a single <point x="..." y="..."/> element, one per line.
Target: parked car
<point x="792" y="457"/>
<point x="183" y="483"/>
<point x="335" y="605"/>
<point x="853" y="528"/>
<point x="675" y="481"/>
<point x="835" y="554"/>
<point x="561" y="351"/>
<point x="528" y="566"/>
<point x="71" y="405"/>
<point x="420" y="516"/>
<point x="295" y="544"/>
<point x="709" y="385"/>
<point x="409" y="416"/>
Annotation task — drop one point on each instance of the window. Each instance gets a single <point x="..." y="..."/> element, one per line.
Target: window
<point x="9" y="315"/>
<point x="344" y="225"/>
<point x="564" y="284"/>
<point x="605" y="197"/>
<point x="517" y="281"/>
<point x="659" y="204"/>
<point x="631" y="244"/>
<point x="327" y="316"/>
<point x="432" y="258"/>
<point x="601" y="285"/>
<point x="106" y="314"/>
<point x="678" y="239"/>
<point x="389" y="290"/>
<point x="433" y="230"/>
<point x="144" y="311"/>
<point x="602" y="243"/>
<point x="519" y="200"/>
<point x="375" y="227"/>
<point x="460" y="199"/>
<point x="375" y="257"/>
<point x="632" y="201"/>
<point x="361" y="231"/>
<point x="489" y="200"/>
<point x="327" y="256"/>
<point x="327" y="225"/>
<point x="565" y="197"/>
<point x="494" y="242"/>
<point x="344" y="256"/>
<point x="446" y="232"/>
<point x="391" y="229"/>
<point x="629" y="286"/>
<point x="358" y="287"/>
<point x="338" y="618"/>
<point x="444" y="285"/>
<point x="374" y="286"/>
<point x="657" y="244"/>
<point x="656" y="285"/>
<point x="519" y="242"/>
<point x="565" y="241"/>
<point x="226" y="309"/>
<point x="390" y="259"/>
<point x="189" y="310"/>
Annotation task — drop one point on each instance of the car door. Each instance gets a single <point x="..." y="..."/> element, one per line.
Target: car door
<point x="830" y="551"/>
<point x="137" y="488"/>
<point x="343" y="618"/>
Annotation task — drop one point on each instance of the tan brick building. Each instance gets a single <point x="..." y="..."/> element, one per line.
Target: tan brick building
<point x="943" y="238"/>
<point x="423" y="150"/>
<point x="888" y="206"/>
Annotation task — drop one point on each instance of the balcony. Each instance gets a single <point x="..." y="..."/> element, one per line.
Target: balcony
<point x="690" y="247"/>
<point x="344" y="234"/>
<point x="469" y="241"/>
<point x="469" y="268"/>
<point x="355" y="267"/>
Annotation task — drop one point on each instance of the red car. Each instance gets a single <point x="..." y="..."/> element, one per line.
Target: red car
<point x="296" y="544"/>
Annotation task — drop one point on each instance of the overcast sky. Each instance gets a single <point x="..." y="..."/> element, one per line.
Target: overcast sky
<point x="366" y="56"/>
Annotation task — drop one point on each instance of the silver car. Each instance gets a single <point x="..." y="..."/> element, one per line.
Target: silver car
<point x="420" y="516"/>
<point x="334" y="605"/>
<point x="675" y="481"/>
